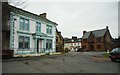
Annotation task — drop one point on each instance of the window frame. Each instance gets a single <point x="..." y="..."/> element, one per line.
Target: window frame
<point x="49" y="29"/>
<point x="25" y="26"/>
<point x="24" y="42"/>
<point x="49" y="44"/>
<point x="38" y="27"/>
<point x="98" y="46"/>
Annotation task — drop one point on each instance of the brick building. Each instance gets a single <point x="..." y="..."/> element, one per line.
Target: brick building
<point x="59" y="42"/>
<point x="97" y="40"/>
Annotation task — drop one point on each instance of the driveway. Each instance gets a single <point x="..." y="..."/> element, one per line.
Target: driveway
<point x="72" y="62"/>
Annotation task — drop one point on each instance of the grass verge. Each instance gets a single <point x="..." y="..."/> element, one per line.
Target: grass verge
<point x="106" y="55"/>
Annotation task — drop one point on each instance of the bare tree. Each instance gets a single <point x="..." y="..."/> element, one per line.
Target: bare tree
<point x="19" y="3"/>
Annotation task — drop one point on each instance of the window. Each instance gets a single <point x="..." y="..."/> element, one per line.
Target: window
<point x="99" y="39"/>
<point x="85" y="40"/>
<point x="48" y="44"/>
<point x="24" y="24"/>
<point x="74" y="44"/>
<point x="98" y="46"/>
<point x="21" y="23"/>
<point x="85" y="46"/>
<point x="49" y="29"/>
<point x="38" y="27"/>
<point x="24" y="42"/>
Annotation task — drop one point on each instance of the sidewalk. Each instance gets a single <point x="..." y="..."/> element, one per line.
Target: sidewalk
<point x="26" y="57"/>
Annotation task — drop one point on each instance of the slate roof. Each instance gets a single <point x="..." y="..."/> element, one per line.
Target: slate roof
<point x="68" y="40"/>
<point x="29" y="14"/>
<point x="97" y="33"/>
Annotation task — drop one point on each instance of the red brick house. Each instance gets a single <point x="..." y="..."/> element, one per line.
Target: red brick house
<point x="97" y="40"/>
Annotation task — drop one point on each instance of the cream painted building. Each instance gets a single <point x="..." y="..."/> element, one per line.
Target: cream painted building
<point x="30" y="33"/>
<point x="72" y="43"/>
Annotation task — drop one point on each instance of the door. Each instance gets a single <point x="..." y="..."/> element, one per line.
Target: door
<point x="91" y="47"/>
<point x="37" y="46"/>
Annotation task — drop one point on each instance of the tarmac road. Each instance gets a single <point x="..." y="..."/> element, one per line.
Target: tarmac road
<point x="72" y="62"/>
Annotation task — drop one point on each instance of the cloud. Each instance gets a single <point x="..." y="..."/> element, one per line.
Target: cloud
<point x="74" y="17"/>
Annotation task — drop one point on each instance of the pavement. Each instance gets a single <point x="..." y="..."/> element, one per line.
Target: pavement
<point x="72" y="62"/>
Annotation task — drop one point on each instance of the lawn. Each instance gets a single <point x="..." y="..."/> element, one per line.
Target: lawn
<point x="106" y="55"/>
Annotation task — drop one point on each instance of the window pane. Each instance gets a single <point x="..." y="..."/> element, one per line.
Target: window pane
<point x="26" y="21"/>
<point x="21" y="23"/>
<point x="20" y="44"/>
<point x="21" y="39"/>
<point x="21" y="20"/>
<point x="47" y="29"/>
<point x="47" y="45"/>
<point x="26" y="45"/>
<point x="26" y="42"/>
<point x="26" y="39"/>
<point x="26" y="26"/>
<point x="36" y="28"/>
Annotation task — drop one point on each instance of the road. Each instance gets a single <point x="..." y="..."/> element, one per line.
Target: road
<point x="72" y="62"/>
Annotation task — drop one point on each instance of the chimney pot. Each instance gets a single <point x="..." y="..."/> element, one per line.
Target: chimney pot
<point x="84" y="32"/>
<point x="106" y="27"/>
<point x="43" y="15"/>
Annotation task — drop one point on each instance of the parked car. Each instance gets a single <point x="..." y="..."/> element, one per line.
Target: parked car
<point x="80" y="50"/>
<point x="115" y="54"/>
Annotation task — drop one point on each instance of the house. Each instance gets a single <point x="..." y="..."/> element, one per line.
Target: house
<point x="59" y="42"/>
<point x="72" y="43"/>
<point x="97" y="40"/>
<point x="24" y="32"/>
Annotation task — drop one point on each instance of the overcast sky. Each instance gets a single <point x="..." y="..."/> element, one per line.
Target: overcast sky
<point x="75" y="17"/>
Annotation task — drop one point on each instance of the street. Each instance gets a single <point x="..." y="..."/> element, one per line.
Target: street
<point x="72" y="62"/>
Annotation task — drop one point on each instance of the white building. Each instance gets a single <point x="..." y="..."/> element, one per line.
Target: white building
<point x="72" y="43"/>
<point x="31" y="33"/>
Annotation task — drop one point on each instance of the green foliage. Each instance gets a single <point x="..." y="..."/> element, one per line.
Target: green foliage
<point x="66" y="50"/>
<point x="47" y="53"/>
<point x="106" y="54"/>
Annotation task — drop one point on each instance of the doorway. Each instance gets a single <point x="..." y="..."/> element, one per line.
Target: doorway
<point x="37" y="46"/>
<point x="91" y="47"/>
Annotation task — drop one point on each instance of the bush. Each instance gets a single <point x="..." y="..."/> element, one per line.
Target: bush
<point x="47" y="53"/>
<point x="106" y="54"/>
<point x="66" y="50"/>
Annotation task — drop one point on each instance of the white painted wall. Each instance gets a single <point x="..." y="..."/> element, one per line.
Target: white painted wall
<point x="43" y="28"/>
<point x="32" y="30"/>
<point x="54" y="38"/>
<point x="32" y="26"/>
<point x="16" y="27"/>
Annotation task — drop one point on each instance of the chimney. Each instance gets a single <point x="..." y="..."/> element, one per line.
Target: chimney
<point x="84" y="32"/>
<point x="43" y="15"/>
<point x="74" y="37"/>
<point x="59" y="32"/>
<point x="106" y="27"/>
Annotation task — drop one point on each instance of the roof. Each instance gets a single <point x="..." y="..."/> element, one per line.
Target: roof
<point x="59" y="33"/>
<point x="97" y="33"/>
<point x="29" y="14"/>
<point x="67" y="40"/>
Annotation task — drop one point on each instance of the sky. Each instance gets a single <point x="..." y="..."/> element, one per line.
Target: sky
<point x="73" y="17"/>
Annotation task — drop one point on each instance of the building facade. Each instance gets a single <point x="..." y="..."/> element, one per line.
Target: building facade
<point x="59" y="42"/>
<point x="97" y="40"/>
<point x="72" y="43"/>
<point x="28" y="33"/>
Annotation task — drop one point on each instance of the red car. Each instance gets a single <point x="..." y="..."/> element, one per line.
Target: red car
<point x="115" y="54"/>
